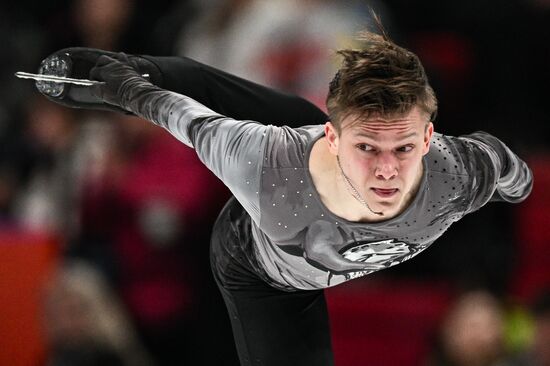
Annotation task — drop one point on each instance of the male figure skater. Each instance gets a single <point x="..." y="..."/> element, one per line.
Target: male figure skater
<point x="363" y="189"/>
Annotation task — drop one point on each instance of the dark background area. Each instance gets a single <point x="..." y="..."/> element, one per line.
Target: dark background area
<point x="487" y="62"/>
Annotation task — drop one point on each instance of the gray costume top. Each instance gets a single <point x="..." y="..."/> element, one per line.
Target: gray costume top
<point x="266" y="169"/>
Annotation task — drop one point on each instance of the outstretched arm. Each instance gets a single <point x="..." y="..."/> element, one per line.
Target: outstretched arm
<point x="230" y="148"/>
<point x="235" y="97"/>
<point x="497" y="173"/>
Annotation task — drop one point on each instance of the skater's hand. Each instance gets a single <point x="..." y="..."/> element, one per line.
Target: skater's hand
<point x="115" y="73"/>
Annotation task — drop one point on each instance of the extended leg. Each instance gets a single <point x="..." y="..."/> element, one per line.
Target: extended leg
<point x="225" y="93"/>
<point x="235" y="97"/>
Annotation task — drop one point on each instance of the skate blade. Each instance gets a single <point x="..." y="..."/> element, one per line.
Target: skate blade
<point x="57" y="79"/>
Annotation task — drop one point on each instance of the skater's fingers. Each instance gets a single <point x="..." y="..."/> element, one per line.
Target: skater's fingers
<point x="102" y="66"/>
<point x="104" y="60"/>
<point x="122" y="57"/>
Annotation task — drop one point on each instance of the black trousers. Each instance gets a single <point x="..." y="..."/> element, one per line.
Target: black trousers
<point x="270" y="326"/>
<point x="233" y="96"/>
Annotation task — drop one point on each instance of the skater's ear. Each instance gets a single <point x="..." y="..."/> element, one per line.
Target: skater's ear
<point x="333" y="137"/>
<point x="428" y="133"/>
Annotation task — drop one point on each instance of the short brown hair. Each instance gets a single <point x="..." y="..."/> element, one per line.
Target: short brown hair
<point x="380" y="79"/>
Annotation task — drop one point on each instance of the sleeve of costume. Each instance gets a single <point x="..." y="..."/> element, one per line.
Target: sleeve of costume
<point x="496" y="173"/>
<point x="231" y="149"/>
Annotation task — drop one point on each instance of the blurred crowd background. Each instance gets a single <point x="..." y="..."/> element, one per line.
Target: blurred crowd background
<point x="105" y="219"/>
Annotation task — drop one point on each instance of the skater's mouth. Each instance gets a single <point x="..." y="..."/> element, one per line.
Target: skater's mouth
<point x="385" y="192"/>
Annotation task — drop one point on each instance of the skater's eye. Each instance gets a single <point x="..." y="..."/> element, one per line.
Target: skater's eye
<point x="405" y="149"/>
<point x="365" y="147"/>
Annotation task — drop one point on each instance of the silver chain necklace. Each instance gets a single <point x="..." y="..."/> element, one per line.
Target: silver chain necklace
<point x="353" y="191"/>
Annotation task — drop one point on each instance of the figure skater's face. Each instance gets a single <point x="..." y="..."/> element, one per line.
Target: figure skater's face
<point x="382" y="157"/>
